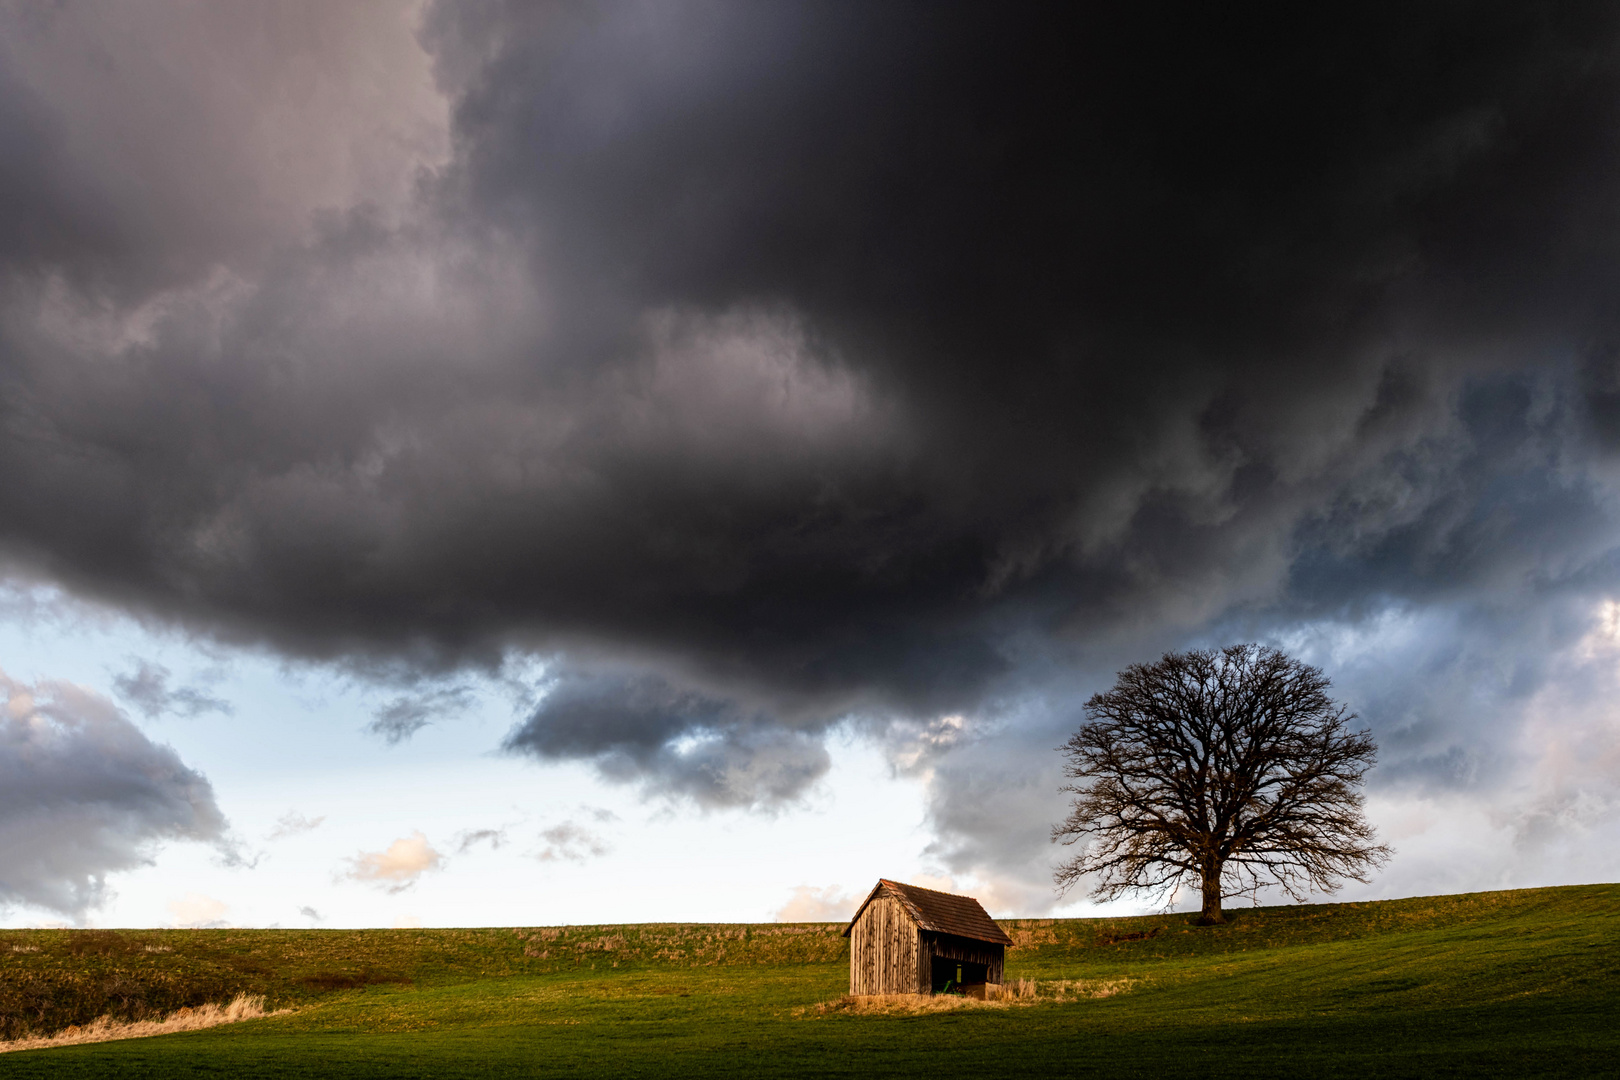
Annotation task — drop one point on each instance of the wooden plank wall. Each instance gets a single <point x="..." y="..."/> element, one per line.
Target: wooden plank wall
<point x="883" y="953"/>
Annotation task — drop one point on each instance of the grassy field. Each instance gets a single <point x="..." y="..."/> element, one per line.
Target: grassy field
<point x="1523" y="983"/>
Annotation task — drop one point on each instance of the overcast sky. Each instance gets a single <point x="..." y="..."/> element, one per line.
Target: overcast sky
<point x="517" y="463"/>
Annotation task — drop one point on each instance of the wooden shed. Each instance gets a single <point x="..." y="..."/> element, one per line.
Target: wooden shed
<point x="909" y="940"/>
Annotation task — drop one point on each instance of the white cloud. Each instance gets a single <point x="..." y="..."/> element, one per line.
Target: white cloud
<point x="397" y="868"/>
<point x="809" y="903"/>
<point x="196" y="910"/>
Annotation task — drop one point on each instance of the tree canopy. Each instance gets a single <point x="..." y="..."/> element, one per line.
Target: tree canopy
<point x="1232" y="769"/>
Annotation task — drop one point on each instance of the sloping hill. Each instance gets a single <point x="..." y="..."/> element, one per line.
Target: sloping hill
<point x="1518" y="983"/>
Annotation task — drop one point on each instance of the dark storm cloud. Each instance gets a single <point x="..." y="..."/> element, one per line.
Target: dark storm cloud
<point x="775" y="365"/>
<point x="144" y="147"/>
<point x="84" y="793"/>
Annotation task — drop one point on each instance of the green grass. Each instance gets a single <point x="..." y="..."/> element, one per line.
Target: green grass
<point x="1523" y="983"/>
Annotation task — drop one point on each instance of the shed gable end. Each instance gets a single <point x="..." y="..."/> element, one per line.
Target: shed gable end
<point x="884" y="957"/>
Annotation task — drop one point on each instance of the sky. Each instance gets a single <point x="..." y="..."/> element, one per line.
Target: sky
<point x="512" y="463"/>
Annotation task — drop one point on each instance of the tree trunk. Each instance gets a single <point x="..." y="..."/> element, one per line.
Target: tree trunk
<point x="1212" y="899"/>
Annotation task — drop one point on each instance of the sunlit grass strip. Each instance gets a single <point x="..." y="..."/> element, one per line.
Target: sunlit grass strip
<point x="1015" y="992"/>
<point x="106" y="1029"/>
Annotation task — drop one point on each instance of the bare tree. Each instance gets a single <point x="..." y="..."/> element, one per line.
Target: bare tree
<point x="1232" y="769"/>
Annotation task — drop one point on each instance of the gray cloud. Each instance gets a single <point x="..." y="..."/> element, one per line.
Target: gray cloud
<point x="84" y="794"/>
<point x="292" y="823"/>
<point x="771" y="367"/>
<point x="673" y="741"/>
<point x="467" y="840"/>
<point x="406" y="715"/>
<point x="147" y="689"/>
<point x="572" y="842"/>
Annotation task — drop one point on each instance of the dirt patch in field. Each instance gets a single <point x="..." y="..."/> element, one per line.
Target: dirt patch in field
<point x="106" y="1029"/>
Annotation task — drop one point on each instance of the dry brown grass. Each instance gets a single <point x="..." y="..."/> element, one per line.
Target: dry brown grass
<point x="1016" y="992"/>
<point x="106" y="1029"/>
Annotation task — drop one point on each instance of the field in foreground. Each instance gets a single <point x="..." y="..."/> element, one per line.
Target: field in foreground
<point x="1522" y="983"/>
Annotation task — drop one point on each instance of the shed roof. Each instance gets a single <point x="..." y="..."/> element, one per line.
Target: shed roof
<point x="942" y="912"/>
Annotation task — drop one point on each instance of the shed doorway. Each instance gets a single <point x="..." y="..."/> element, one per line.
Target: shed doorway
<point x="956" y="973"/>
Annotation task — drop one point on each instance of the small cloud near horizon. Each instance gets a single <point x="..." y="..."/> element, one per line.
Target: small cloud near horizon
<point x="398" y="867"/>
<point x="810" y="903"/>
<point x="195" y="911"/>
